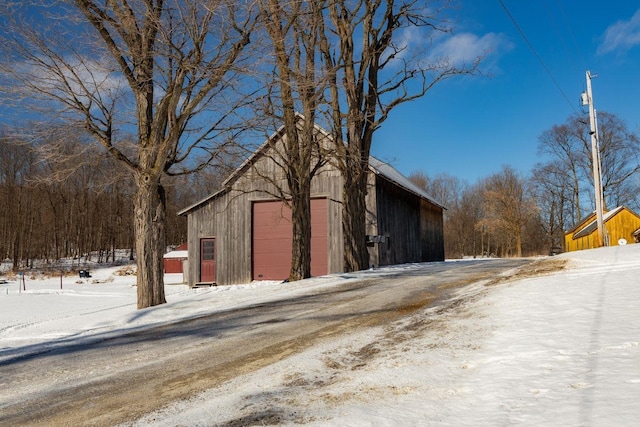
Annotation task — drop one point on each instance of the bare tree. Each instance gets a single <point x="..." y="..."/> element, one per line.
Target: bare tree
<point x="499" y="214"/>
<point x="444" y="188"/>
<point x="292" y="28"/>
<point x="570" y="165"/>
<point x="65" y="197"/>
<point x="619" y="157"/>
<point x="17" y="163"/>
<point x="554" y="191"/>
<point x="370" y="72"/>
<point x="172" y="61"/>
<point x="561" y="144"/>
<point x="88" y="191"/>
<point x="508" y="208"/>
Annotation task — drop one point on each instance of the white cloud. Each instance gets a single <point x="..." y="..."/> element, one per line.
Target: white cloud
<point x="466" y="47"/>
<point x="408" y="39"/>
<point x="456" y="50"/>
<point x="621" y="36"/>
<point x="73" y="77"/>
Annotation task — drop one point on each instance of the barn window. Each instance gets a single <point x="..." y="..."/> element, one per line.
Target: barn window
<point x="208" y="250"/>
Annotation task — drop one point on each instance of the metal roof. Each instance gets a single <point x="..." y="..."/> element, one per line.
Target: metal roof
<point x="593" y="225"/>
<point x="390" y="173"/>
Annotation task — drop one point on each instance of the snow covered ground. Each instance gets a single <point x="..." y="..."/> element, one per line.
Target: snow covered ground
<point x="554" y="350"/>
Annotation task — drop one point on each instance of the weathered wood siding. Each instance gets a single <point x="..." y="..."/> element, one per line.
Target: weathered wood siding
<point x="431" y="231"/>
<point x="398" y="213"/>
<point x="228" y="219"/>
<point x="622" y="226"/>
<point x="412" y="226"/>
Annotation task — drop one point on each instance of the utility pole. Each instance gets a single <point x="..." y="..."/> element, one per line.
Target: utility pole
<point x="595" y="154"/>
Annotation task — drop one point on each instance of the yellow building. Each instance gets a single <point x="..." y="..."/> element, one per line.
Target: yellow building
<point x="620" y="223"/>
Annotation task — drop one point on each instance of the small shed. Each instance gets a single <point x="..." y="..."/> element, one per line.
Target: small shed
<point x="175" y="259"/>
<point x="244" y="232"/>
<point x="620" y="224"/>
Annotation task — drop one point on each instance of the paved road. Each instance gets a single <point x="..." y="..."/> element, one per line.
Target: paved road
<point x="123" y="378"/>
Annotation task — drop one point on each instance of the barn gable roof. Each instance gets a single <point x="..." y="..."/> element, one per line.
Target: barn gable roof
<point x="376" y="166"/>
<point x="249" y="161"/>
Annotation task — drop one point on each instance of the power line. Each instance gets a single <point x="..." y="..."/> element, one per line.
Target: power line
<point x="573" y="38"/>
<point x="526" y="40"/>
<point x="562" y="29"/>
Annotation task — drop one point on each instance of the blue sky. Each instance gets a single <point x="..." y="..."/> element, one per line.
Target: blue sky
<point x="469" y="127"/>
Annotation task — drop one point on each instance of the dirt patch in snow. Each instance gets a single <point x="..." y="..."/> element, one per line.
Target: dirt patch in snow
<point x="543" y="267"/>
<point x="308" y="392"/>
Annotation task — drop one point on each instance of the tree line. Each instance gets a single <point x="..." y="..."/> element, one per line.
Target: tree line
<point x="514" y="214"/>
<point x="64" y="197"/>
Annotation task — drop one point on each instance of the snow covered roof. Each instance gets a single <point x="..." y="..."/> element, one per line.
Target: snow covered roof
<point x="176" y="254"/>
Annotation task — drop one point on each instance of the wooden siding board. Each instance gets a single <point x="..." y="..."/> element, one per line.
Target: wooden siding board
<point x="432" y="231"/>
<point x="398" y="213"/>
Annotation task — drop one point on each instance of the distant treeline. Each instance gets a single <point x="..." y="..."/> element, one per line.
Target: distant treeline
<point x="65" y="198"/>
<point x="511" y="213"/>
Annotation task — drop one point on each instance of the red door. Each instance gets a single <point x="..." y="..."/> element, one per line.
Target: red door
<point x="272" y="232"/>
<point x="208" y="260"/>
<point x="272" y="239"/>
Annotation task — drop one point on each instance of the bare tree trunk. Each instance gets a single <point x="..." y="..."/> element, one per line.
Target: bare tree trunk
<point x="301" y="247"/>
<point x="551" y="224"/>
<point x="149" y="226"/>
<point x="171" y="63"/>
<point x="576" y="199"/>
<point x="293" y="30"/>
<point x="519" y="244"/>
<point x="356" y="256"/>
<point x="18" y="225"/>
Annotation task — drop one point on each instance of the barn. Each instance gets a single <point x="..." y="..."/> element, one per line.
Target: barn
<point x="174" y="260"/>
<point x="620" y="223"/>
<point x="243" y="233"/>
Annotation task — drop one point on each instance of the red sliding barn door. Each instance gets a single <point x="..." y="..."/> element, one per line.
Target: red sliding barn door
<point x="272" y="236"/>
